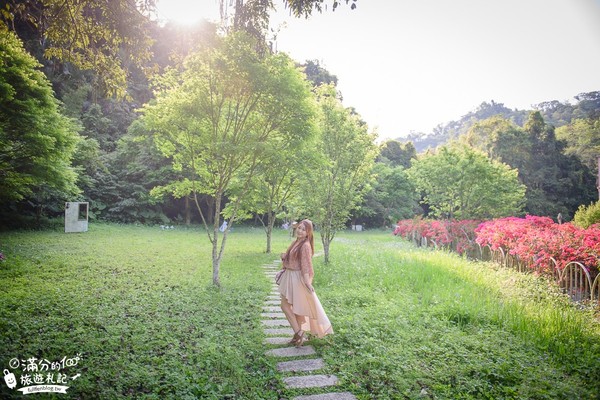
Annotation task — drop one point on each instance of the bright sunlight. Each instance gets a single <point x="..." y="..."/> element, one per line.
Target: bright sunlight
<point x="187" y="12"/>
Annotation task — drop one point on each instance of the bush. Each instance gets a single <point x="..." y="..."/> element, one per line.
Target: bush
<point x="587" y="216"/>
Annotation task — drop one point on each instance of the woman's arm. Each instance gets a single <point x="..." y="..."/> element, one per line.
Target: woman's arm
<point x="306" y="266"/>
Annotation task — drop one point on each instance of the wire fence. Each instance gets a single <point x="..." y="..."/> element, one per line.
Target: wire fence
<point x="575" y="279"/>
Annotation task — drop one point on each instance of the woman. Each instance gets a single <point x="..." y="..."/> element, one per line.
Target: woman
<point x="299" y="302"/>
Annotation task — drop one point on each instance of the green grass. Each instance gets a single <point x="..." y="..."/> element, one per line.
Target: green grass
<point x="138" y="304"/>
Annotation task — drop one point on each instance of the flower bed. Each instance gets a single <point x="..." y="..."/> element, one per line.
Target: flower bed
<point x="457" y="235"/>
<point x="539" y="240"/>
<point x="536" y="241"/>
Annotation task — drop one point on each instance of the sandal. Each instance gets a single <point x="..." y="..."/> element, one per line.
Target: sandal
<point x="295" y="338"/>
<point x="301" y="339"/>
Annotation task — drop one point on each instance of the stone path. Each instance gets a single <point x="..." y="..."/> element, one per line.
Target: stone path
<point x="299" y="371"/>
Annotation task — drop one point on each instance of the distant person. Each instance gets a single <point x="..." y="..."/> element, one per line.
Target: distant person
<point x="299" y="302"/>
<point x="223" y="227"/>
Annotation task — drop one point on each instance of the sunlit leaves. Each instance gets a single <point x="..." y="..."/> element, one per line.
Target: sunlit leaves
<point x="459" y="182"/>
<point x="104" y="36"/>
<point x="36" y="141"/>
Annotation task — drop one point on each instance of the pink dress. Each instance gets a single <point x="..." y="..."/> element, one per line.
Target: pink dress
<point x="304" y="302"/>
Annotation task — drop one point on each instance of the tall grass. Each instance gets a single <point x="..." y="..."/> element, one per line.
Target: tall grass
<point x="138" y="304"/>
<point x="417" y="323"/>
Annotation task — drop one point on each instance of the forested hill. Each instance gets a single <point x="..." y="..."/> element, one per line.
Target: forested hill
<point x="554" y="112"/>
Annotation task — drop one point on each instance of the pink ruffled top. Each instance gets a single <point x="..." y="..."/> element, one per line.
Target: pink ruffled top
<point x="301" y="263"/>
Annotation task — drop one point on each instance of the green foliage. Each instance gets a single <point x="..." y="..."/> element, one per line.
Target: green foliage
<point x="397" y="153"/>
<point x="429" y="324"/>
<point x="587" y="216"/>
<point x="556" y="180"/>
<point x="391" y="198"/>
<point x="345" y="153"/>
<point x="556" y="183"/>
<point x="462" y="183"/>
<point x="36" y="141"/>
<point x="318" y="75"/>
<point x="104" y="37"/>
<point x="138" y="305"/>
<point x="221" y="119"/>
<point x="583" y="140"/>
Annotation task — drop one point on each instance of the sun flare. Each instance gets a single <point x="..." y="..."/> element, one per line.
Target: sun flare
<point x="187" y="12"/>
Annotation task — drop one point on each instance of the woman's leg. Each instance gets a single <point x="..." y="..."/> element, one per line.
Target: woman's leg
<point x="286" y="307"/>
<point x="300" y="319"/>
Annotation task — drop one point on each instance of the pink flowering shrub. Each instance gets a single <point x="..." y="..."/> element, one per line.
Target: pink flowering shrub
<point x="535" y="240"/>
<point x="460" y="234"/>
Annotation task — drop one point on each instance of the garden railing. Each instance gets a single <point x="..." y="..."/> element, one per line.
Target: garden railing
<point x="574" y="279"/>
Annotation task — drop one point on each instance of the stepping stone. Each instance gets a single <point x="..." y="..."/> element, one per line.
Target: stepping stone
<point x="291" y="351"/>
<point x="278" y="340"/>
<point x="272" y="315"/>
<point x="272" y="309"/>
<point x="301" y="365"/>
<point x="310" y="381"/>
<point x="328" y="396"/>
<point x="275" y="322"/>
<point x="279" y="331"/>
<point x="272" y="302"/>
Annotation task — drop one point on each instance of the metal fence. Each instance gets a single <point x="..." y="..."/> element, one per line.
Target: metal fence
<point x="575" y="279"/>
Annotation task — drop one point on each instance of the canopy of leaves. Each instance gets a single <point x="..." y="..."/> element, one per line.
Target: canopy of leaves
<point x="460" y="182"/>
<point x="346" y="153"/>
<point x="36" y="141"/>
<point x="103" y="36"/>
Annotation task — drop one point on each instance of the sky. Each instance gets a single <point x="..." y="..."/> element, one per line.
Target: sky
<point x="410" y="65"/>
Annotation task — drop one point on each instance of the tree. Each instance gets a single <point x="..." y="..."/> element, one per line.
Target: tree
<point x="103" y="36"/>
<point x="346" y="152"/>
<point x="37" y="142"/>
<point x="396" y="153"/>
<point x="305" y="8"/>
<point x="317" y="74"/>
<point x="392" y="198"/>
<point x="556" y="180"/>
<point x="276" y="181"/>
<point x="216" y="118"/>
<point x="583" y="140"/>
<point x="460" y="182"/>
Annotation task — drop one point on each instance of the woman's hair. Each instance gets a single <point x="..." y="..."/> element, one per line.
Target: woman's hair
<point x="295" y="247"/>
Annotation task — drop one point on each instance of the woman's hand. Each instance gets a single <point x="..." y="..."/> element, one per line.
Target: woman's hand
<point x="309" y="287"/>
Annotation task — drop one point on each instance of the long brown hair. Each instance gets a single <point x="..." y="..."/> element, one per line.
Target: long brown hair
<point x="295" y="247"/>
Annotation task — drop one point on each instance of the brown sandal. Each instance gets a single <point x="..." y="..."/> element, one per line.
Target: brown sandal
<point x="301" y="339"/>
<point x="295" y="338"/>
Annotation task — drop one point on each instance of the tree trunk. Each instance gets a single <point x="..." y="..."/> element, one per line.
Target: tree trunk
<point x="270" y="223"/>
<point x="188" y="211"/>
<point x="326" y="242"/>
<point x="216" y="262"/>
<point x="216" y="254"/>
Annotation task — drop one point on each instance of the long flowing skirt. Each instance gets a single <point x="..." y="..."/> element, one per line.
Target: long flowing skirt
<point x="304" y="303"/>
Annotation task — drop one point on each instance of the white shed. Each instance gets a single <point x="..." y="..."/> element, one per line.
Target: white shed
<point x="76" y="216"/>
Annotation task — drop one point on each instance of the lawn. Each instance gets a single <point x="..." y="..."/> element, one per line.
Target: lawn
<point x="134" y="311"/>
